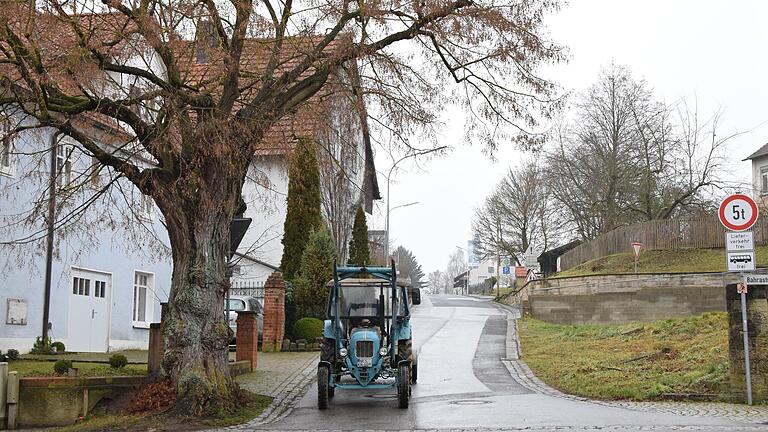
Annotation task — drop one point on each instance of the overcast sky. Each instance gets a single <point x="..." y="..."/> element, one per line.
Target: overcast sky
<point x="713" y="51"/>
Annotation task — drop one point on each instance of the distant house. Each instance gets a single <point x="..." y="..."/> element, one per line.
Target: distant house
<point x="759" y="160"/>
<point x="110" y="266"/>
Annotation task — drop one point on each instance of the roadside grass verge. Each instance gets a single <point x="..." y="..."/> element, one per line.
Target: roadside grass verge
<point x="30" y="368"/>
<point x="154" y="421"/>
<point x="663" y="261"/>
<point x="638" y="361"/>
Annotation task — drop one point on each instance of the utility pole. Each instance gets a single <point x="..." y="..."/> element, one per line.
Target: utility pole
<point x="50" y="226"/>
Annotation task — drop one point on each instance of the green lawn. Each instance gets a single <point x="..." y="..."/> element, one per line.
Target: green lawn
<point x="640" y="361"/>
<point x="666" y="261"/>
<point x="28" y="368"/>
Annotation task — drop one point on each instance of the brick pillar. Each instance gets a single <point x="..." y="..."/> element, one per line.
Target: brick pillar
<point x="247" y="337"/>
<point x="757" y="327"/>
<point x="155" y="354"/>
<point x="274" y="313"/>
<point x="156" y="344"/>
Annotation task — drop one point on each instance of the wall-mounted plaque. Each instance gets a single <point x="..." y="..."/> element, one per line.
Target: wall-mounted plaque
<point x="16" y="312"/>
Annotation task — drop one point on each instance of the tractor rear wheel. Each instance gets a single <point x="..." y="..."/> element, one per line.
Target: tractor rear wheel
<point x="403" y="385"/>
<point x="323" y="381"/>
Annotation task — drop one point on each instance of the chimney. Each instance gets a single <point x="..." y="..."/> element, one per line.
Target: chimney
<point x="206" y="41"/>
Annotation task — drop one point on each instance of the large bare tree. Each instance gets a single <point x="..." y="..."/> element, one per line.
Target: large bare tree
<point x="212" y="79"/>
<point x="627" y="157"/>
<point x="517" y="214"/>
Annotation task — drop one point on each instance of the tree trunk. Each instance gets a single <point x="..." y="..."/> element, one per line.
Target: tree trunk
<point x="198" y="209"/>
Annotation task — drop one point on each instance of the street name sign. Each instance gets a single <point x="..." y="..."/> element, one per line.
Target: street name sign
<point x="738" y="212"/>
<point x="756" y="279"/>
<point x="739" y="241"/>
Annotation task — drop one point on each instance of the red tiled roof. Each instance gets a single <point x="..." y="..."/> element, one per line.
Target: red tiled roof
<point x="62" y="59"/>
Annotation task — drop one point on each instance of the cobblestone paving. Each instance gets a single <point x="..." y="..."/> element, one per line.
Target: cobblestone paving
<point x="523" y="375"/>
<point x="284" y="376"/>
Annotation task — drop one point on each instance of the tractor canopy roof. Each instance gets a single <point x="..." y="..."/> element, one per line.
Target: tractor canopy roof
<point x="363" y="282"/>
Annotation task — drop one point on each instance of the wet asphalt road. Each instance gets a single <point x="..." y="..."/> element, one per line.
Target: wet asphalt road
<point x="463" y="384"/>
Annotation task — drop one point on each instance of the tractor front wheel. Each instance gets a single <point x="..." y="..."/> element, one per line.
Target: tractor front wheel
<point x="414" y="373"/>
<point x="323" y="381"/>
<point x="403" y="385"/>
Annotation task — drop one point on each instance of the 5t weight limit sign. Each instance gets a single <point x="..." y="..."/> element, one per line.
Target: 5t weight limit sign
<point x="738" y="212"/>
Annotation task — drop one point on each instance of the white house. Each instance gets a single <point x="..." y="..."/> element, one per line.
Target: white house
<point x="759" y="160"/>
<point x="107" y="263"/>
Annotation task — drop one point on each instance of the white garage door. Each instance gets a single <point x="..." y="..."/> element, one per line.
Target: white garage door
<point x="89" y="309"/>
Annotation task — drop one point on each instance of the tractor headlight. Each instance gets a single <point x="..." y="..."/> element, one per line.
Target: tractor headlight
<point x="383" y="351"/>
<point x="343" y="352"/>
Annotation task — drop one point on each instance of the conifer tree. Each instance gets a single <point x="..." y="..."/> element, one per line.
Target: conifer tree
<point x="359" y="253"/>
<point x="303" y="209"/>
<point x="310" y="290"/>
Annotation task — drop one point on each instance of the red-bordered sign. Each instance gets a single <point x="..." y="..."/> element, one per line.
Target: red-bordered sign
<point x="738" y="212"/>
<point x="636" y="248"/>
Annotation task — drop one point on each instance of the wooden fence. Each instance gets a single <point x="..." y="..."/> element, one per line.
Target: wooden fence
<point x="668" y="234"/>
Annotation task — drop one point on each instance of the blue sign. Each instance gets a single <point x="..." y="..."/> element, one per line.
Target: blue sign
<point x="505" y="270"/>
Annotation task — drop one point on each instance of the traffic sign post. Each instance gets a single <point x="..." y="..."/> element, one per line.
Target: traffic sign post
<point x="738" y="213"/>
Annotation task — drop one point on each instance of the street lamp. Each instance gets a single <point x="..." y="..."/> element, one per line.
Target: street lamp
<point x="386" y="230"/>
<point x="389" y="174"/>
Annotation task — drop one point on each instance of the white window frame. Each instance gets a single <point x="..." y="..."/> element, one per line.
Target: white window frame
<point x="764" y="180"/>
<point x="146" y="207"/>
<point x="64" y="152"/>
<point x="149" y="303"/>
<point x="7" y="160"/>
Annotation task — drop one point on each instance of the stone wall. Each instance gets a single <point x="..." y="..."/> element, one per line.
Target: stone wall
<point x="757" y="328"/>
<point x="618" y="299"/>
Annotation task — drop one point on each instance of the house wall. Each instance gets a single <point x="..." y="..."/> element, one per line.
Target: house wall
<point x="265" y="194"/>
<point x="102" y="238"/>
<point x="759" y="164"/>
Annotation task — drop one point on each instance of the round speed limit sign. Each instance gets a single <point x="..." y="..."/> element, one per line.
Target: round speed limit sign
<point x="738" y="212"/>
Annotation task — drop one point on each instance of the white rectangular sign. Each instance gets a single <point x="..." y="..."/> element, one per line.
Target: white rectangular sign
<point x="756" y="280"/>
<point x="739" y="241"/>
<point x="740" y="261"/>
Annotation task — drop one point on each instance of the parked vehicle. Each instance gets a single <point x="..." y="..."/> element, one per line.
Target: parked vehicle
<point x="368" y="338"/>
<point x="244" y="303"/>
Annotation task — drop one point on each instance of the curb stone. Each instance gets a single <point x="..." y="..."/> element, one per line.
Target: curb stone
<point x="288" y="393"/>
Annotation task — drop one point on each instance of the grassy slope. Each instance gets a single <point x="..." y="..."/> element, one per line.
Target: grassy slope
<point x="28" y="368"/>
<point x="672" y="261"/>
<point x="685" y="355"/>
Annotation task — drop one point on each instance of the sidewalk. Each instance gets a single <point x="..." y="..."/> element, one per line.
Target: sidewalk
<point x="283" y="376"/>
<point x="275" y="371"/>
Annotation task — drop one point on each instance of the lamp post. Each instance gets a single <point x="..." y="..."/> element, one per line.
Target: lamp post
<point x="389" y="174"/>
<point x="386" y="230"/>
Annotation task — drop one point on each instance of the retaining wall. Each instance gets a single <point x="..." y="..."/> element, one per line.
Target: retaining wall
<point x="618" y="299"/>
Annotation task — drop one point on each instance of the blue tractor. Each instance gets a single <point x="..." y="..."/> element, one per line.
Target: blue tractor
<point x="367" y="334"/>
